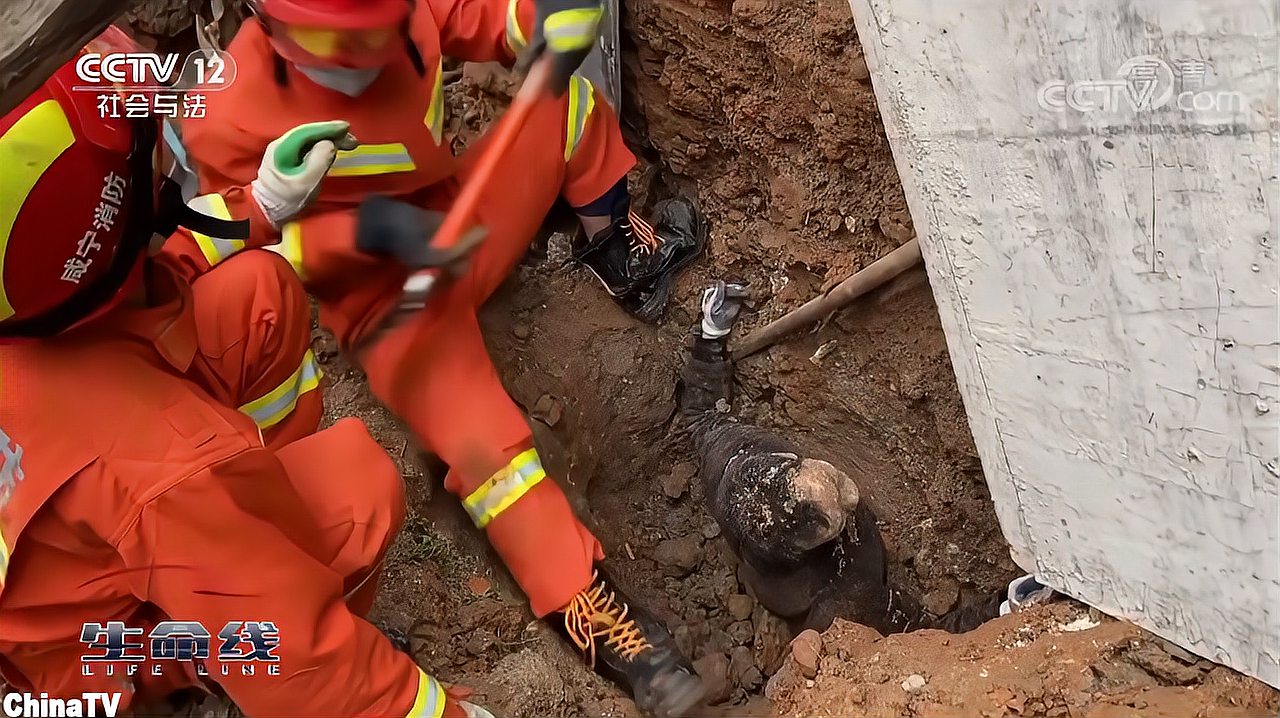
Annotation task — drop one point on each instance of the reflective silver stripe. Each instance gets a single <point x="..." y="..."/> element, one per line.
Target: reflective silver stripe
<point x="430" y="699"/>
<point x="504" y="488"/>
<point x="271" y="409"/>
<point x="372" y="160"/>
<point x="214" y="249"/>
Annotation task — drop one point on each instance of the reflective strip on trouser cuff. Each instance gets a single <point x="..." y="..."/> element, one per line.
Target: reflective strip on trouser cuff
<point x="435" y="111"/>
<point x="27" y="150"/>
<point x="504" y="488"/>
<point x="290" y="246"/>
<point x="214" y="249"/>
<point x="275" y="406"/>
<point x="368" y="160"/>
<point x="582" y="100"/>
<point x="431" y="699"/>
<point x="515" y="36"/>
<point x="570" y="30"/>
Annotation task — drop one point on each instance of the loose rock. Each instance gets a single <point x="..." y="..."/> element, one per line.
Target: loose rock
<point x="914" y="683"/>
<point x="806" y="651"/>
<point x="714" y="670"/>
<point x="739" y="606"/>
<point x="741" y="632"/>
<point x="679" y="557"/>
<point x="676" y="482"/>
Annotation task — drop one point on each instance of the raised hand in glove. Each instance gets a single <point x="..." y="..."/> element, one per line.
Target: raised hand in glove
<point x="567" y="29"/>
<point x="293" y="166"/>
<point x="721" y="304"/>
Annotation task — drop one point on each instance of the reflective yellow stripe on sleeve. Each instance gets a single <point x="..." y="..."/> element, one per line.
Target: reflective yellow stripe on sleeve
<point x="290" y="246"/>
<point x="368" y="160"/>
<point x="582" y="101"/>
<point x="4" y="558"/>
<point x="435" y="111"/>
<point x="570" y="30"/>
<point x="431" y="699"/>
<point x="515" y="36"/>
<point x="214" y="249"/>
<point x="27" y="150"/>
<point x="504" y="488"/>
<point x="269" y="410"/>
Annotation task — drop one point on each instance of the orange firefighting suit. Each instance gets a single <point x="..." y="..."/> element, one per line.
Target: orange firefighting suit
<point x="434" y="372"/>
<point x="132" y="489"/>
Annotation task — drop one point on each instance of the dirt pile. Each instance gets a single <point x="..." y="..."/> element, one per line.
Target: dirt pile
<point x="1054" y="661"/>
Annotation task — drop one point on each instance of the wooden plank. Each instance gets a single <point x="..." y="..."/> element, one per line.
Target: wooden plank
<point x="37" y="36"/>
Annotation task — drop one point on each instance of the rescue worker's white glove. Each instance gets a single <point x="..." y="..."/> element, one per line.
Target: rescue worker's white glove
<point x="294" y="165"/>
<point x="721" y="303"/>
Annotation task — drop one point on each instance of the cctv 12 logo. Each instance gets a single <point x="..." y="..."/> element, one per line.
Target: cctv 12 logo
<point x="140" y="71"/>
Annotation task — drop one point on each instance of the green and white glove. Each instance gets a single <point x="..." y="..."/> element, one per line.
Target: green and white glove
<point x="567" y="29"/>
<point x="294" y="165"/>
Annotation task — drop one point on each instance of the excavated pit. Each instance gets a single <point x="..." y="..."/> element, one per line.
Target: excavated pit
<point x="764" y="111"/>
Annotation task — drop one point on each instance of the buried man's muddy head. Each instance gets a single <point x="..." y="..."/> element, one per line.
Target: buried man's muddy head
<point x="781" y="506"/>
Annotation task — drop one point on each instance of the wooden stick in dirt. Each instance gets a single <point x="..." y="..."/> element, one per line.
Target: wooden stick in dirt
<point x="864" y="280"/>
<point x="37" y="36"/>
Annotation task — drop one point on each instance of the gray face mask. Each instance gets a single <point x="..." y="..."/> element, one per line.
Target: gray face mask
<point x="349" y="81"/>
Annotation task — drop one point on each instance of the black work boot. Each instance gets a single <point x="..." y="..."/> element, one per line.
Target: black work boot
<point x="628" y="646"/>
<point x="638" y="261"/>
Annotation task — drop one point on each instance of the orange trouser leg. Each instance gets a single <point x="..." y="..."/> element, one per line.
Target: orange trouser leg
<point x="254" y="327"/>
<point x="436" y="374"/>
<point x="355" y="494"/>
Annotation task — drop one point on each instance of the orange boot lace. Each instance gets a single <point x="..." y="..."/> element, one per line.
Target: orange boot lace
<point x="594" y="613"/>
<point x="643" y="237"/>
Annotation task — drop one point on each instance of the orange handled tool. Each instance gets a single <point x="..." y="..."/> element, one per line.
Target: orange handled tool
<point x="456" y="234"/>
<point x="457" y="228"/>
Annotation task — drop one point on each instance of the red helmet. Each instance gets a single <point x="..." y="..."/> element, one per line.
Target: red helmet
<point x="67" y="206"/>
<point x="337" y="33"/>
<point x="79" y="203"/>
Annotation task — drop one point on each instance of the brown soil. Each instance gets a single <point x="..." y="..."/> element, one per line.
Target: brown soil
<point x="763" y="110"/>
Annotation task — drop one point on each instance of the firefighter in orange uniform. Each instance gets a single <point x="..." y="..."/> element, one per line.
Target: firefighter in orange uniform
<point x="378" y="65"/>
<point x="157" y="454"/>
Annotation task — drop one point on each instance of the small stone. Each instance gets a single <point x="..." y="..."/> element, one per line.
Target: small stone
<point x="713" y="668"/>
<point x="942" y="599"/>
<point x="740" y="606"/>
<point x="547" y="409"/>
<point x="914" y="683"/>
<point x="740" y="660"/>
<point x="675" y="483"/>
<point x="806" y="651"/>
<point x="480" y="641"/>
<point x="710" y="530"/>
<point x="741" y="632"/>
<point x="521" y="331"/>
<point x="1056" y="711"/>
<point x="752" y="679"/>
<point x="679" y="557"/>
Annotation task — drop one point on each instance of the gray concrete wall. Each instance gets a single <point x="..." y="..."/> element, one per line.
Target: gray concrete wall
<point x="1095" y="187"/>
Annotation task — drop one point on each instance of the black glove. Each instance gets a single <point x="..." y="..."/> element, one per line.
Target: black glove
<point x="721" y="303"/>
<point x="404" y="232"/>
<point x="567" y="29"/>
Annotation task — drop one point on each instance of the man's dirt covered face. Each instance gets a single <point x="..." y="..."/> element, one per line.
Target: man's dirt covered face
<point x="782" y="506"/>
